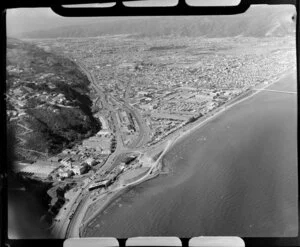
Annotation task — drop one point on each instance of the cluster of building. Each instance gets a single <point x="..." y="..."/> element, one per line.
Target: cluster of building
<point x="109" y="179"/>
<point x="23" y="94"/>
<point x="40" y="169"/>
<point x="126" y="121"/>
<point x="56" y="168"/>
<point x="76" y="161"/>
<point x="162" y="126"/>
<point x="191" y="80"/>
<point x="70" y="167"/>
<point x="128" y="126"/>
<point x="127" y="164"/>
<point x="92" y="152"/>
<point x="102" y="143"/>
<point x="168" y="89"/>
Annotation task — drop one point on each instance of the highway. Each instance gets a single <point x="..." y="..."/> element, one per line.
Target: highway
<point x="77" y="220"/>
<point x="62" y="225"/>
<point x="74" y="225"/>
<point x="67" y="222"/>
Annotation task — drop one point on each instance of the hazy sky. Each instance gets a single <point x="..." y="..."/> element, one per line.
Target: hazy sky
<point x="31" y="19"/>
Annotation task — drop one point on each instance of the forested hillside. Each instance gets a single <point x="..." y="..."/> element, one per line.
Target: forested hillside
<point x="49" y="105"/>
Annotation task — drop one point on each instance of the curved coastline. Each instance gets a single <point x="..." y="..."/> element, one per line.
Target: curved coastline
<point x="182" y="133"/>
<point x="109" y="201"/>
<point x="187" y="130"/>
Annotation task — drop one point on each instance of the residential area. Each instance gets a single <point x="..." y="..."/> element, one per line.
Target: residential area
<point x="145" y="91"/>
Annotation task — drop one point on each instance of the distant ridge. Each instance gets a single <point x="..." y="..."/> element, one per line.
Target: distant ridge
<point x="258" y="21"/>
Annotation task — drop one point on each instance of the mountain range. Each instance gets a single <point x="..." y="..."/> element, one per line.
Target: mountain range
<point x="257" y="21"/>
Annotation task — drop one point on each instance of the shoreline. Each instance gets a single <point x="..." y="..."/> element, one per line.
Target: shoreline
<point x="185" y="131"/>
<point x="177" y="136"/>
<point x="108" y="202"/>
<point x="112" y="198"/>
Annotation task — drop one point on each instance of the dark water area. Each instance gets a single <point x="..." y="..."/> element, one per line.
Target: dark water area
<point x="237" y="175"/>
<point x="27" y="209"/>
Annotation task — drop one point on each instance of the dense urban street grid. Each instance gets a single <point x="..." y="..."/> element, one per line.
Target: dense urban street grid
<point x="145" y="93"/>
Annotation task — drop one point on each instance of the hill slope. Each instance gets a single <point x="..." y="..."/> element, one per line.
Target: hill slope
<point x="48" y="105"/>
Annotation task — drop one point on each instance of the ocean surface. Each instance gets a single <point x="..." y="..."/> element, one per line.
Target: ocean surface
<point x="237" y="175"/>
<point x="25" y="213"/>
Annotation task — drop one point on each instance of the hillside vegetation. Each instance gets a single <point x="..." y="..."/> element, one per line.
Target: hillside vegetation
<point x="49" y="104"/>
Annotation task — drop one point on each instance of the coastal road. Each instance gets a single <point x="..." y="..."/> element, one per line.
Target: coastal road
<point x="69" y="224"/>
<point x="78" y="217"/>
<point x="73" y="227"/>
<point x="62" y="222"/>
<point x="63" y="226"/>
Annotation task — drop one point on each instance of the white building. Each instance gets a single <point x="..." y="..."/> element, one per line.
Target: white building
<point x="66" y="162"/>
<point x="90" y="161"/>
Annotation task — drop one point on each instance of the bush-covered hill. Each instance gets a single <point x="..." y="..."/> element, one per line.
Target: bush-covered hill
<point x="49" y="105"/>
